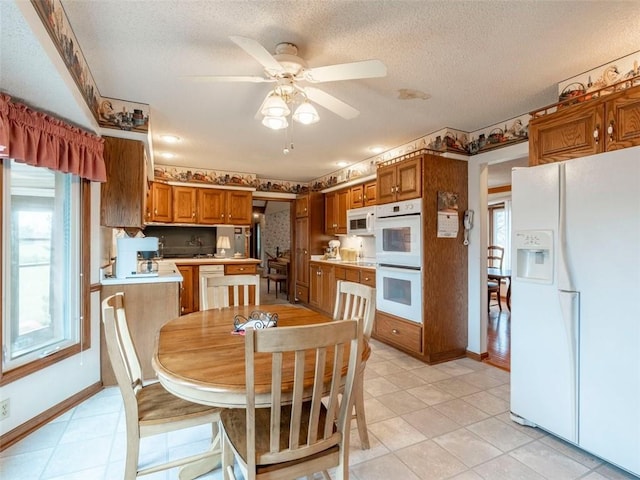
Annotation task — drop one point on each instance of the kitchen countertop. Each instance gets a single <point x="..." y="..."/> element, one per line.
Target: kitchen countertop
<point x="163" y="277"/>
<point x="209" y="261"/>
<point x="365" y="263"/>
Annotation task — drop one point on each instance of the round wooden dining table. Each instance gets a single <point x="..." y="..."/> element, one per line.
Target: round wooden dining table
<point x="198" y="358"/>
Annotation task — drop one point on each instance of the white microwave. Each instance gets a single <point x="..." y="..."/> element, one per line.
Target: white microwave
<point x="361" y="221"/>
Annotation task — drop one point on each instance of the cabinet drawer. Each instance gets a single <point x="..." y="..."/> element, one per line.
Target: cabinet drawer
<point x="302" y="293"/>
<point x="353" y="275"/>
<point x="341" y="273"/>
<point x="400" y="332"/>
<point x="240" y="269"/>
<point x="368" y="277"/>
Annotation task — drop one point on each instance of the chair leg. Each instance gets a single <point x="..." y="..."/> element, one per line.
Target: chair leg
<point x="227" y="459"/>
<point x="498" y="296"/>
<point x="132" y="457"/>
<point x="268" y="284"/>
<point x="361" y="419"/>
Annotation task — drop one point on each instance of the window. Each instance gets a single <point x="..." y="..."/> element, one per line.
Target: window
<point x="497" y="225"/>
<point x="42" y="266"/>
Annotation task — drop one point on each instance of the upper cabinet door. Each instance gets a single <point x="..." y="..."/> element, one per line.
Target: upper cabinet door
<point x="123" y="195"/>
<point x="386" y="184"/>
<point x="239" y="207"/>
<point x="184" y="204"/>
<point x="211" y="206"/>
<point x="622" y="127"/>
<point x="369" y="197"/>
<point x="160" y="203"/>
<point x="409" y="178"/>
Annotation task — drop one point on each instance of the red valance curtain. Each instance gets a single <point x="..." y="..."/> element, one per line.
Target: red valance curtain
<point x="41" y="140"/>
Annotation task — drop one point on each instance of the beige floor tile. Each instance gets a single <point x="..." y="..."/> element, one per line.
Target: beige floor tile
<point x="430" y="422"/>
<point x="548" y="461"/>
<point x="385" y="368"/>
<point x="454" y="369"/>
<point x="614" y="473"/>
<point x="430" y="374"/>
<point x="571" y="451"/>
<point x="487" y="403"/>
<point x="468" y="475"/>
<point x="358" y="455"/>
<point x="406" y="380"/>
<point x="499" y="434"/>
<point x="396" y="433"/>
<point x="531" y="431"/>
<point x="430" y="461"/>
<point x="460" y="411"/>
<point x="457" y="387"/>
<point x="484" y="380"/>
<point x="379" y="386"/>
<point x="506" y="468"/>
<point x="376" y="411"/>
<point x="430" y="395"/>
<point x="401" y="402"/>
<point x="407" y="362"/>
<point x="384" y="468"/>
<point x="467" y="447"/>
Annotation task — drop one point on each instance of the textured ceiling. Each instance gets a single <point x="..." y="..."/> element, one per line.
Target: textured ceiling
<point x="481" y="62"/>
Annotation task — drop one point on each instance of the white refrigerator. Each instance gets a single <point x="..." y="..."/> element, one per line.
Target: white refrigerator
<point x="575" y="331"/>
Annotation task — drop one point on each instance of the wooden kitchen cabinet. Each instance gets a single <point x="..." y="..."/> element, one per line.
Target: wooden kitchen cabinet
<point x="159" y="203"/>
<point x="399" y="181"/>
<point x="603" y="124"/>
<point x="224" y="207"/>
<point x="370" y="197"/>
<point x="400" y="332"/>
<point x="123" y="195"/>
<point x="309" y="239"/>
<point x="241" y="269"/>
<point x="189" y="292"/>
<point x="355" y="274"/>
<point x="336" y="206"/>
<point x="184" y="204"/>
<point x="322" y="289"/>
<point x="356" y="196"/>
<point x="148" y="306"/>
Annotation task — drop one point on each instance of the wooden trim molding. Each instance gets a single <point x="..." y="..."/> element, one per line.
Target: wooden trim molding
<point x="478" y="357"/>
<point x="30" y="426"/>
<point x="95" y="287"/>
<point x="502" y="189"/>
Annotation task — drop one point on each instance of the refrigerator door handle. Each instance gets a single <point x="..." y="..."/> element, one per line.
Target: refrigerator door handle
<point x="570" y="310"/>
<point x="565" y="280"/>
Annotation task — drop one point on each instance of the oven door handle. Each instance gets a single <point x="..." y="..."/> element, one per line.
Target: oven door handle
<point x="398" y="268"/>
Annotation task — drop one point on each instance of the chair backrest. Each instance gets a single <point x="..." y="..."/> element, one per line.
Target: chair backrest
<point x="495" y="255"/>
<point x="221" y="291"/>
<point x="122" y="352"/>
<point x="313" y="425"/>
<point x="354" y="300"/>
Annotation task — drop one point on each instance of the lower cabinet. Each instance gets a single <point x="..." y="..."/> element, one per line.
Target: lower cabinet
<point x="149" y="306"/>
<point x="322" y="287"/>
<point x="189" y="293"/>
<point x="399" y="332"/>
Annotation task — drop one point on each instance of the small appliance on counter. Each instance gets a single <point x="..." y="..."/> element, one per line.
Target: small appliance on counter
<point x="127" y="265"/>
<point x="333" y="250"/>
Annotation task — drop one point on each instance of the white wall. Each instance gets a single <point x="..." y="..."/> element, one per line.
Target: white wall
<point x="40" y="391"/>
<point x="478" y="200"/>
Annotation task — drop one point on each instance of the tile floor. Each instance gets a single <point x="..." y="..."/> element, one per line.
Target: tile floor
<point x="448" y="421"/>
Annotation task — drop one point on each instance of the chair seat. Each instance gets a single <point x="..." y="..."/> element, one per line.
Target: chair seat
<point x="277" y="277"/>
<point x="234" y="421"/>
<point x="157" y="406"/>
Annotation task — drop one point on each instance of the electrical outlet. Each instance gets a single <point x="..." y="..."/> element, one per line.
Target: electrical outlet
<point x="4" y="409"/>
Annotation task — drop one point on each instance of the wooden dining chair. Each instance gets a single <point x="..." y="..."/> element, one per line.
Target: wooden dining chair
<point x="495" y="255"/>
<point x="306" y="429"/>
<point x="221" y="291"/>
<point x="354" y="300"/>
<point x="149" y="409"/>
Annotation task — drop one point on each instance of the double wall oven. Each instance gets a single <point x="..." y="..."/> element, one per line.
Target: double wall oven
<point x="399" y="257"/>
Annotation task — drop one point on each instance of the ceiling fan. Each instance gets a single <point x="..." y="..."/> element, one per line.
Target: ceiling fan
<point x="287" y="70"/>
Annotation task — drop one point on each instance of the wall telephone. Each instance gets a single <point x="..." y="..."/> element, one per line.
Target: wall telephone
<point x="468" y="224"/>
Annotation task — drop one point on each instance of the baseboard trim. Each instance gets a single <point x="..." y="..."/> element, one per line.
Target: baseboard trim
<point x="36" y="422"/>
<point x="478" y="357"/>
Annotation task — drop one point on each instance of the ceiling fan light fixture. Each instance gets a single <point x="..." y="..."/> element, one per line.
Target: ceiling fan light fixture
<point x="275" y="106"/>
<point x="306" y="114"/>
<point x="275" y="122"/>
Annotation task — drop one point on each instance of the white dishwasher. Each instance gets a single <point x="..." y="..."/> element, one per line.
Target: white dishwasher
<point x="208" y="271"/>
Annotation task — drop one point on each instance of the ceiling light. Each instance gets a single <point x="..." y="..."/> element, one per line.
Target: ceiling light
<point x="167" y="155"/>
<point x="306" y="114"/>
<point x="275" y="122"/>
<point x="342" y="164"/>
<point x="275" y="106"/>
<point x="376" y="150"/>
<point x="170" y="138"/>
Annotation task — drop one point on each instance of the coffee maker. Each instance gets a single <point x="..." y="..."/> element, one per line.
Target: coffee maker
<point x="127" y="265"/>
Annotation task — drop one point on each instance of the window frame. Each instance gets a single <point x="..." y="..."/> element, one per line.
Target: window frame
<point x="491" y="209"/>
<point x="84" y="341"/>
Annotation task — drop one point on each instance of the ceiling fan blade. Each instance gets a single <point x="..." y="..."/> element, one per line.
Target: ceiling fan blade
<point x="227" y="78"/>
<point x="346" y="71"/>
<point x="258" y="52"/>
<point x="331" y="103"/>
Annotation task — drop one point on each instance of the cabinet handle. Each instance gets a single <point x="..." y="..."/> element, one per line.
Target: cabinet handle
<point x="610" y="131"/>
<point x="596" y="134"/>
<point x="366" y="279"/>
<point x="193" y="214"/>
<point x="241" y="269"/>
<point x="155" y="212"/>
<point x="395" y="332"/>
<point x="222" y="215"/>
